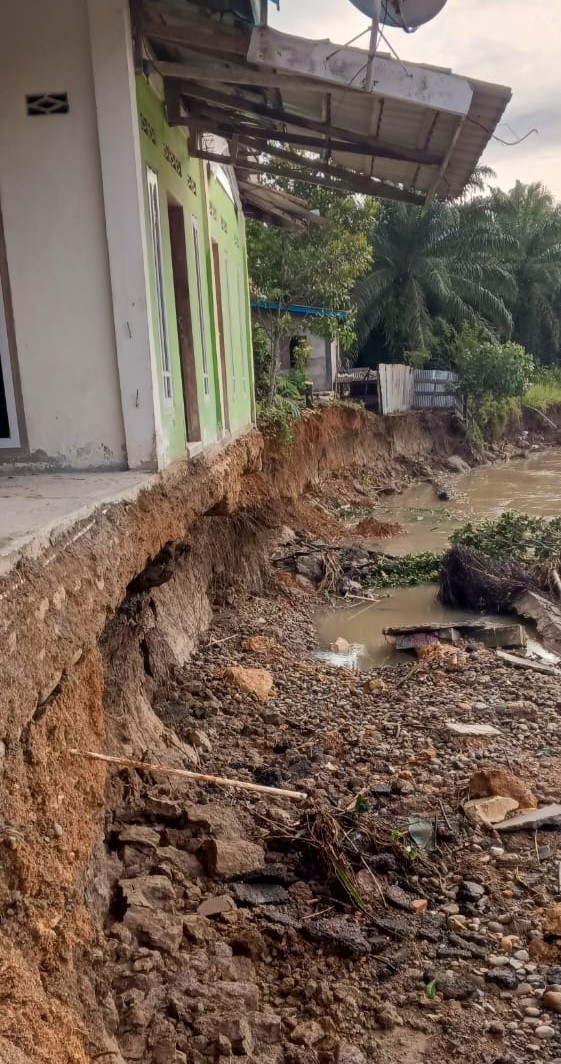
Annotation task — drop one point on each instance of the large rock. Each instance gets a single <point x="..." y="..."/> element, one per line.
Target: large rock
<point x="150" y="914"/>
<point x="349" y="1054"/>
<point x="457" y="464"/>
<point x="308" y="1033"/>
<point x="551" y="1000"/>
<point x="156" y="930"/>
<point x="149" y="892"/>
<point x="552" y="923"/>
<point x="258" y="682"/>
<point x="488" y="782"/>
<point x="227" y="858"/>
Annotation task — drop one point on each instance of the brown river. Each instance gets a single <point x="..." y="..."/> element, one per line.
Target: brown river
<point x="531" y="486"/>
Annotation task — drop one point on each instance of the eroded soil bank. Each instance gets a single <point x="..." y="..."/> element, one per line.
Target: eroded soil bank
<point x="98" y="636"/>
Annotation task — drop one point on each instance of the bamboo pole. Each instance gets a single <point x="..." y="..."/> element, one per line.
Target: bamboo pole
<point x="218" y="781"/>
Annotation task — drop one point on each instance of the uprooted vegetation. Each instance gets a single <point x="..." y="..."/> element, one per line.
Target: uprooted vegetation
<point x="490" y="565"/>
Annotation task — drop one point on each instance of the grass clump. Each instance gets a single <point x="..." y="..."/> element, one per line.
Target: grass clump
<point x="545" y="390"/>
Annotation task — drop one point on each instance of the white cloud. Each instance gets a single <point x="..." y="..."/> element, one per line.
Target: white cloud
<point x="512" y="42"/>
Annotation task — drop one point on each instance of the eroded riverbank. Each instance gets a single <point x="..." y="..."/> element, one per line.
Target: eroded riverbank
<point x="105" y="950"/>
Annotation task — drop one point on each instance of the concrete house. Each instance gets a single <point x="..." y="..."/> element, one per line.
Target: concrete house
<point x="124" y="312"/>
<point x="128" y="135"/>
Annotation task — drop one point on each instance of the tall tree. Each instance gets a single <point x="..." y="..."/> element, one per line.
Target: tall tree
<point x="316" y="268"/>
<point x="438" y="262"/>
<point x="531" y="221"/>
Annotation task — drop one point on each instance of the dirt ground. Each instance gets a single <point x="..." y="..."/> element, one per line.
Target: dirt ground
<point x="301" y="940"/>
<point x="143" y="919"/>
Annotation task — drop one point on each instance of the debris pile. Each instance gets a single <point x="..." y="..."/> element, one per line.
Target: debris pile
<point x="368" y="923"/>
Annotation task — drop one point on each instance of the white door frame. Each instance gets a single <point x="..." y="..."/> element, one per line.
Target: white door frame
<point x="13" y="440"/>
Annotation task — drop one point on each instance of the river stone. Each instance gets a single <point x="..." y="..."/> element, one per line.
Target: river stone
<point x="545" y="1031"/>
<point x="551" y="1000"/>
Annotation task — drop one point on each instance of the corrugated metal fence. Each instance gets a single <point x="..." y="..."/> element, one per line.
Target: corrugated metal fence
<point x="396" y="387"/>
<point x="436" y="389"/>
<point x="402" y="388"/>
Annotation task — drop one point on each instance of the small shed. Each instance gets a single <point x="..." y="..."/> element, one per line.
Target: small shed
<point x="324" y="357"/>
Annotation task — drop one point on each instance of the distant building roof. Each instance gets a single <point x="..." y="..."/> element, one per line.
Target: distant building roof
<point x="297" y="308"/>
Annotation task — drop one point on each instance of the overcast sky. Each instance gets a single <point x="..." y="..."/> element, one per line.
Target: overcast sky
<point x="511" y="42"/>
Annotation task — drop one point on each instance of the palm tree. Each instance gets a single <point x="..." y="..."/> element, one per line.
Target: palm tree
<point x="532" y="220"/>
<point x="433" y="263"/>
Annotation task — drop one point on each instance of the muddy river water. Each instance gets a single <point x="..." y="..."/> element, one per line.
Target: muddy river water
<point x="531" y="486"/>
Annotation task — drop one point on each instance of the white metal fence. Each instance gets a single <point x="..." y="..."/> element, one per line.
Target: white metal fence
<point x="436" y="389"/>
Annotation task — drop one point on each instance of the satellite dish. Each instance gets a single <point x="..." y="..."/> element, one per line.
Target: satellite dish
<point x="404" y="14"/>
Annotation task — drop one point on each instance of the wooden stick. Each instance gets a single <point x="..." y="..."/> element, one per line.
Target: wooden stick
<point x="219" y="781"/>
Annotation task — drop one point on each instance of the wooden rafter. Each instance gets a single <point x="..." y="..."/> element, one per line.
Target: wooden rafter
<point x="352" y="182"/>
<point x="214" y="121"/>
<point x="229" y="107"/>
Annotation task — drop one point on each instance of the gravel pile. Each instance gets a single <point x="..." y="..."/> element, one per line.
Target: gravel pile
<point x="439" y="953"/>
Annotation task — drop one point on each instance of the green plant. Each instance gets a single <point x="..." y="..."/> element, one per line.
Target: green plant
<point x="546" y="388"/>
<point x="315" y="268"/>
<point x="361" y="804"/>
<point x="410" y="571"/>
<point x="276" y="419"/>
<point x="513" y="536"/>
<point x="430" y="990"/>
<point x="300" y="354"/>
<point x="438" y="262"/>
<point x="261" y="361"/>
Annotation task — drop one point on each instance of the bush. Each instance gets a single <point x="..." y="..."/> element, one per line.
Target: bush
<point x="494" y="417"/>
<point x="488" y="368"/>
<point x="276" y="418"/>
<point x="546" y="388"/>
<point x="261" y="361"/>
<point x="513" y="536"/>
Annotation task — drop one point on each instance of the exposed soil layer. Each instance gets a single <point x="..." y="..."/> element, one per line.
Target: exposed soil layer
<point x="92" y="631"/>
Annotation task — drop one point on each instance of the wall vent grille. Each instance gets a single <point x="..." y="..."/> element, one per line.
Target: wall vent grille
<point x="47" y="103"/>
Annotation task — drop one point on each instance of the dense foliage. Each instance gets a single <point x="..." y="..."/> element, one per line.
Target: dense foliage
<point x="491" y="260"/>
<point x="513" y="537"/>
<point x="318" y="267"/>
<point x="473" y="286"/>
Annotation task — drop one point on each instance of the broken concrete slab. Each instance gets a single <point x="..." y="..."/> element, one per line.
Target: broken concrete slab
<point x="501" y="635"/>
<point x="545" y="614"/>
<point x="527" y="663"/>
<point x="471" y="729"/>
<point x="140" y="835"/>
<point x="407" y="629"/>
<point x="491" y="635"/>
<point x="227" y="858"/>
<point x="544" y="815"/>
<point x="489" y="810"/>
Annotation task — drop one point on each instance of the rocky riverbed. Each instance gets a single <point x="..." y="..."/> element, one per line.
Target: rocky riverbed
<point x="267" y="930"/>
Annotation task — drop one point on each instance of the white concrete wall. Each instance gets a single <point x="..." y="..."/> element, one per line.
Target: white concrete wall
<point x="117" y="121"/>
<point x="52" y="205"/>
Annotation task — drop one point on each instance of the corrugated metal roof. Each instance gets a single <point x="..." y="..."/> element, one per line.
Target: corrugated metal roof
<point x="419" y="132"/>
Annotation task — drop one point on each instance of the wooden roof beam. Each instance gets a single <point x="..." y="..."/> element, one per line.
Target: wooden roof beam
<point x="352" y="182"/>
<point x="213" y="121"/>
<point x="365" y="145"/>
